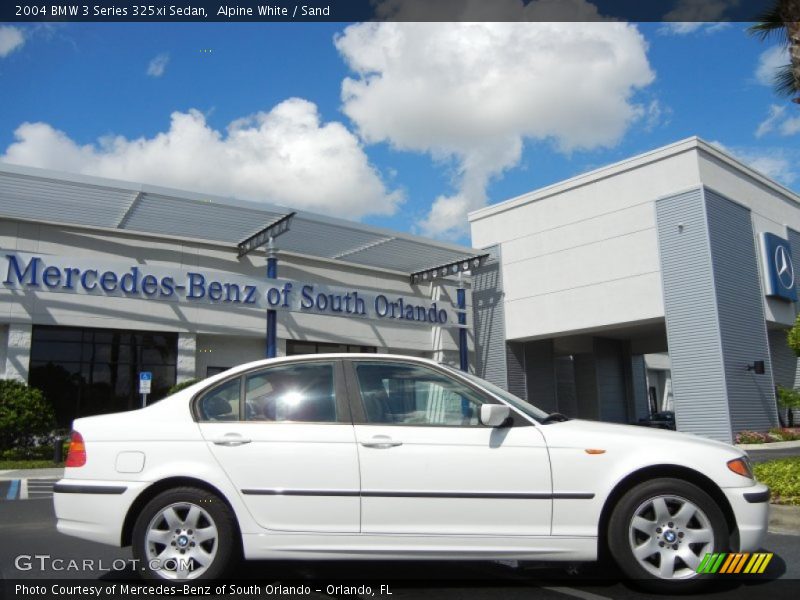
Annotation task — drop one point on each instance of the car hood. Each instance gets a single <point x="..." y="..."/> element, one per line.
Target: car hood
<point x="583" y="432"/>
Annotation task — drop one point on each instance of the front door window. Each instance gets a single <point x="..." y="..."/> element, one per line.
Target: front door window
<point x="402" y="394"/>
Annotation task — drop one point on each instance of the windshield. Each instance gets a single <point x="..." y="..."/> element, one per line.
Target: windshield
<point x="519" y="404"/>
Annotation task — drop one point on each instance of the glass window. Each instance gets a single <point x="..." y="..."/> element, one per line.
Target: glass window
<point x="518" y="403"/>
<point x="300" y="392"/>
<point x="401" y="394"/>
<point x="56" y="351"/>
<point x="221" y="403"/>
<point x="294" y="347"/>
<point x="58" y="334"/>
<point x="86" y="371"/>
<point x="331" y="348"/>
<point x="99" y="337"/>
<point x="215" y="370"/>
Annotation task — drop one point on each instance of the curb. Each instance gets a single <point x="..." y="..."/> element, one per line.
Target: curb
<point x="784" y="519"/>
<point x="9" y="475"/>
<point x="769" y="446"/>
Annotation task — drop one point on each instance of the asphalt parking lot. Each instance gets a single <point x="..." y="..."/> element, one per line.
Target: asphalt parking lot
<point x="28" y="531"/>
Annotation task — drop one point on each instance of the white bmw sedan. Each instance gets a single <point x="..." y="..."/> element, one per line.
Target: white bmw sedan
<point x="389" y="457"/>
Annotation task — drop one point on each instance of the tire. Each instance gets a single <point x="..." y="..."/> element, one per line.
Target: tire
<point x="660" y="531"/>
<point x="185" y="534"/>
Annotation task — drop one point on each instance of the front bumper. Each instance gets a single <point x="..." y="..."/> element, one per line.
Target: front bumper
<point x="751" y="510"/>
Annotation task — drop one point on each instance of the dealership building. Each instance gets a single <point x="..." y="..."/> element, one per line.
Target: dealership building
<point x="664" y="282"/>
<point x="102" y="280"/>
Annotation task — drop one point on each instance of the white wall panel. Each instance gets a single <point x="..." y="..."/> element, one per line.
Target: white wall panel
<point x="587" y="308"/>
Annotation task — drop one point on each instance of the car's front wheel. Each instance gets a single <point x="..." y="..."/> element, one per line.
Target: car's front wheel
<point x="661" y="530"/>
<point x="185" y="533"/>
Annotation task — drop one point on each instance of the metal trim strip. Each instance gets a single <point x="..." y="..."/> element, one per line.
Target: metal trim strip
<point x="391" y="494"/>
<point x="63" y="488"/>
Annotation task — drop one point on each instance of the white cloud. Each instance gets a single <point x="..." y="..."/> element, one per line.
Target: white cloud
<point x="768" y="63"/>
<point x="779" y="164"/>
<point x="680" y="27"/>
<point x="778" y="121"/>
<point x="690" y="27"/>
<point x="658" y="115"/>
<point x="158" y="65"/>
<point x="768" y="124"/>
<point x="790" y="126"/>
<point x="773" y="165"/>
<point x="285" y="156"/>
<point x="473" y="92"/>
<point x="11" y="38"/>
<point x="696" y="16"/>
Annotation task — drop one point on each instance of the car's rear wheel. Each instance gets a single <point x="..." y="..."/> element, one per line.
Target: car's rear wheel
<point x="661" y="530"/>
<point x="185" y="533"/>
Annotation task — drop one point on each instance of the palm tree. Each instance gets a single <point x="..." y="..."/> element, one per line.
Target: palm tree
<point x="783" y="20"/>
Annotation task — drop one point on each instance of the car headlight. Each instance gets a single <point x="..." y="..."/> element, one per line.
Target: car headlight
<point x="741" y="466"/>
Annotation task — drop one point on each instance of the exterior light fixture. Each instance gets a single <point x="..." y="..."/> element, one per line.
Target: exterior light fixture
<point x="757" y="367"/>
<point x="459" y="266"/>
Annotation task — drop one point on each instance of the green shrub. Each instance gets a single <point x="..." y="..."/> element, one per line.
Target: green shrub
<point x="793" y="336"/>
<point x="180" y="386"/>
<point x="783" y="478"/>
<point x="789" y="399"/>
<point x="30" y="453"/>
<point x="25" y="415"/>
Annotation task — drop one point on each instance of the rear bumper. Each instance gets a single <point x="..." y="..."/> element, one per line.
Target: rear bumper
<point x="94" y="510"/>
<point x="751" y="509"/>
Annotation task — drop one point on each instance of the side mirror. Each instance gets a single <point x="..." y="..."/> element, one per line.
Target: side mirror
<point x="494" y="415"/>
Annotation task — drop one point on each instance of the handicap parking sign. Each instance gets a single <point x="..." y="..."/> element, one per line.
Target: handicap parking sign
<point x="145" y="379"/>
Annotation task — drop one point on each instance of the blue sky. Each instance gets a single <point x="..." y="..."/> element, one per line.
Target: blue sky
<point x="258" y="110"/>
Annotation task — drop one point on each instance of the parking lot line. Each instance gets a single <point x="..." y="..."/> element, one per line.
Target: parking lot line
<point x="40" y="488"/>
<point x="582" y="594"/>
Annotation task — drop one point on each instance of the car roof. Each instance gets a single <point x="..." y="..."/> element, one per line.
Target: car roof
<point x="265" y="362"/>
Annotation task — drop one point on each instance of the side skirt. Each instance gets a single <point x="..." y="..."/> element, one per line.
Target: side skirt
<point x="312" y="546"/>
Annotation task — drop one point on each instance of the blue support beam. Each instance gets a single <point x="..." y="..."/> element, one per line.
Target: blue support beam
<point x="463" y="350"/>
<point x="272" y="320"/>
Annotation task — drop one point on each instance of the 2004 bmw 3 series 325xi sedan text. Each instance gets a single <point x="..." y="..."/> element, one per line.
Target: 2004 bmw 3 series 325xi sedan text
<point x="390" y="457"/>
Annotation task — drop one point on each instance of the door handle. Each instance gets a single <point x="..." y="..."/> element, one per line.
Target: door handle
<point x="381" y="441"/>
<point x="232" y="439"/>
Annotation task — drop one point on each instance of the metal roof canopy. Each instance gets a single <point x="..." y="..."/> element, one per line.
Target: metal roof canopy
<point x="264" y="236"/>
<point x="43" y="195"/>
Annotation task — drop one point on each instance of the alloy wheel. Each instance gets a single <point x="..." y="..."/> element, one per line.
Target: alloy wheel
<point x="669" y="536"/>
<point x="182" y="540"/>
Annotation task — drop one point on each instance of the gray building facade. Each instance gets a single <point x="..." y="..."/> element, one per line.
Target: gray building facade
<point x="663" y="283"/>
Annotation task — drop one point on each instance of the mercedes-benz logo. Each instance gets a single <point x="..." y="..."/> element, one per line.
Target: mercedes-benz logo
<point x="784" y="269"/>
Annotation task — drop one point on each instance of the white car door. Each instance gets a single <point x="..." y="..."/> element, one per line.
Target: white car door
<point x="429" y="467"/>
<point x="284" y="436"/>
